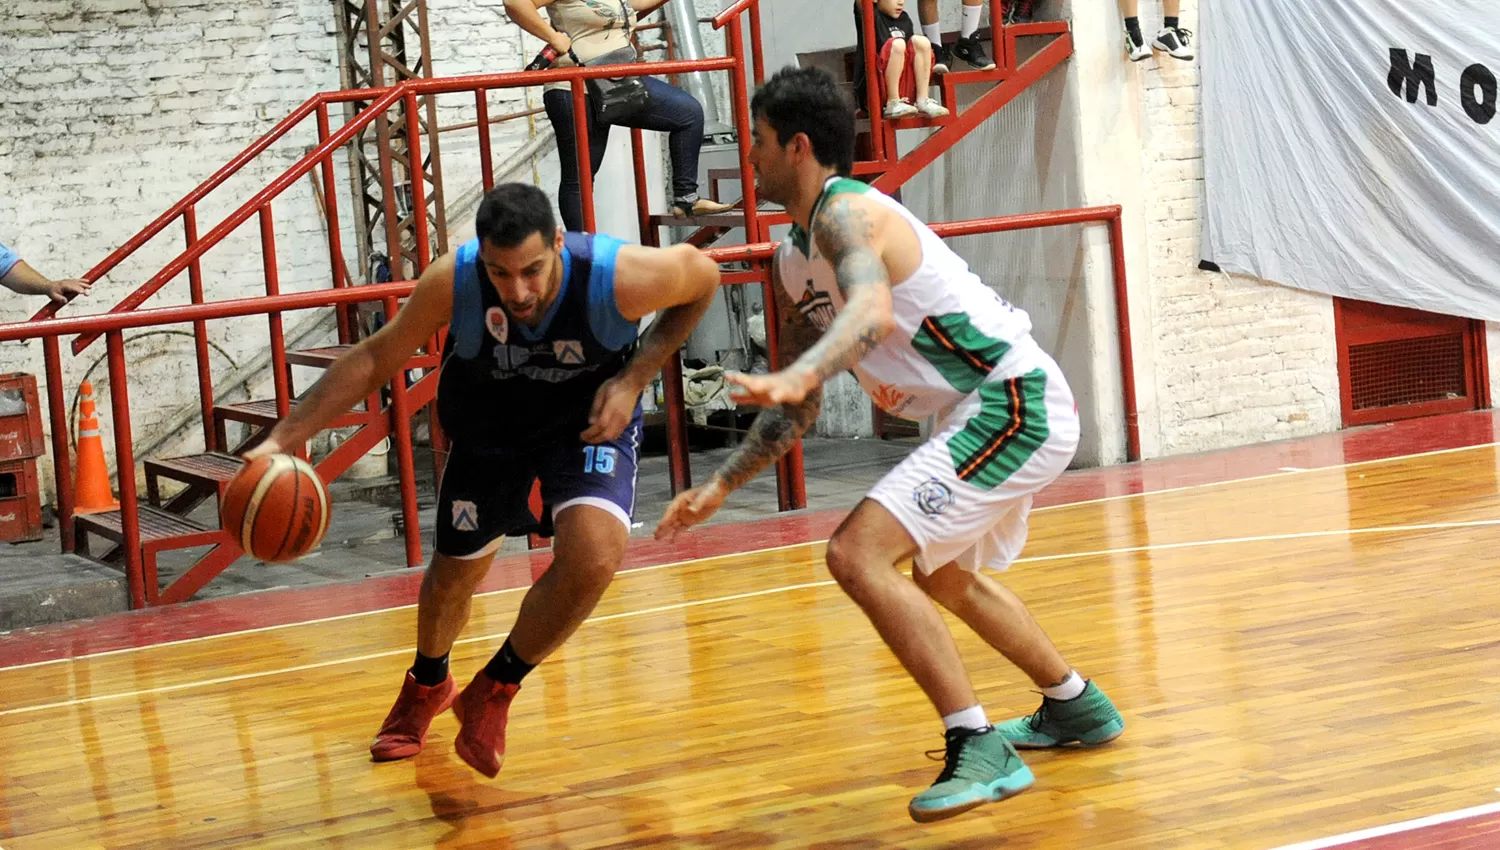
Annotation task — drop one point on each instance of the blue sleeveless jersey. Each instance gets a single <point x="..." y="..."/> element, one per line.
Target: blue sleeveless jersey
<point x="505" y="387"/>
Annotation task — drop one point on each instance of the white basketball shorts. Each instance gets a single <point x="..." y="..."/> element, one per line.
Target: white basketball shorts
<point x="964" y="495"/>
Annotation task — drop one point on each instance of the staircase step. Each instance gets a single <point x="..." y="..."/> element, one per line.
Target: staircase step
<point x="263" y="412"/>
<point x="156" y="524"/>
<point x="210" y="469"/>
<point x="994" y="75"/>
<point x="320" y="358"/>
<point x="723" y="220"/>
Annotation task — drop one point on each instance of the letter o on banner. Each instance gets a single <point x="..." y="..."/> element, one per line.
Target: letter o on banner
<point x="1479" y="104"/>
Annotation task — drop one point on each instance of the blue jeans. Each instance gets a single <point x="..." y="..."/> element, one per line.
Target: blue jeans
<point x="673" y="111"/>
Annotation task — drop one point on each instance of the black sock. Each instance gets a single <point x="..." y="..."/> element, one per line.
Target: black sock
<point x="506" y="667"/>
<point x="1169" y="23"/>
<point x="430" y="671"/>
<point x="1133" y="26"/>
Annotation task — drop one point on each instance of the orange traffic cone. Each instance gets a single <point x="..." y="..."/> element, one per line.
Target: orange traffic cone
<point x="91" y="485"/>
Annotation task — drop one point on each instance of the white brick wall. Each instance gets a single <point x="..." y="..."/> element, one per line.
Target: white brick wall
<point x="1236" y="360"/>
<point x="114" y="110"/>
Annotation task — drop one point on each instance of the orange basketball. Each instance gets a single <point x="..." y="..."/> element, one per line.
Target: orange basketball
<point x="276" y="507"/>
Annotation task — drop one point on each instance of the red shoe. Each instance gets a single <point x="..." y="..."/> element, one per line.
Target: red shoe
<point x="405" y="729"/>
<point x="482" y="710"/>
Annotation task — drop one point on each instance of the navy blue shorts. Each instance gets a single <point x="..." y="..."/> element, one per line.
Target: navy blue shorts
<point x="485" y="495"/>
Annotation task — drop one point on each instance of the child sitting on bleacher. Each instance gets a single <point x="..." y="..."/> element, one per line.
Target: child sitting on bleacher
<point x="904" y="62"/>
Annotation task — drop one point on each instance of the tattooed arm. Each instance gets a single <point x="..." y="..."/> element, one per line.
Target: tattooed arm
<point x="848" y="233"/>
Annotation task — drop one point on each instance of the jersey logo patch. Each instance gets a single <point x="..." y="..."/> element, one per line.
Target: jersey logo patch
<point x="932" y="497"/>
<point x="569" y="352"/>
<point x="465" y="516"/>
<point x="817" y="307"/>
<point x="890" y="399"/>
<point x="496" y="323"/>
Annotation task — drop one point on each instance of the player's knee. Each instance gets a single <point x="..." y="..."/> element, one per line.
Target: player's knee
<point x="898" y="47"/>
<point x="847" y="561"/>
<point x="920" y="45"/>
<point x="447" y="575"/>
<point x="595" y="571"/>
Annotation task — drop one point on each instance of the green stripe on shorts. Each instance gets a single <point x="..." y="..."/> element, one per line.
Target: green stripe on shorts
<point x="1008" y="429"/>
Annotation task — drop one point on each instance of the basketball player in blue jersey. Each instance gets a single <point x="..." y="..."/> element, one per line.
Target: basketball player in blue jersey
<point x="541" y="380"/>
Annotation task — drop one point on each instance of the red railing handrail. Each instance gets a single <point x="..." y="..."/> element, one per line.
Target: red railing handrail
<point x="379" y="104"/>
<point x="102" y="323"/>
<point x="99" y="323"/>
<point x="724" y="17"/>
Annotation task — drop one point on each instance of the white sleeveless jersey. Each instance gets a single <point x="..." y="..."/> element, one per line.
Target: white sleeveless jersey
<point x="952" y="332"/>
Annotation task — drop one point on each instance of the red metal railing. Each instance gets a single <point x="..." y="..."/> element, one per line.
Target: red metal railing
<point x="47" y="328"/>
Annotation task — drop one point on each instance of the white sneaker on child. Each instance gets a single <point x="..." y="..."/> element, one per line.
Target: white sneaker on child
<point x="929" y="108"/>
<point x="895" y="109"/>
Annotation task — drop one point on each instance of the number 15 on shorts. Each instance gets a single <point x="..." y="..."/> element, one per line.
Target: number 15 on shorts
<point x="599" y="459"/>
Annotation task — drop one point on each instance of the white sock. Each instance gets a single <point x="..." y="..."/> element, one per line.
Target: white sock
<point x="1069" y="688"/>
<point x="934" y="32"/>
<point x="972" y="717"/>
<point x="971" y="21"/>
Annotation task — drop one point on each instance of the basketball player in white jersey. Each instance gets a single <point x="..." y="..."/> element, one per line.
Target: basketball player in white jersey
<point x="924" y="336"/>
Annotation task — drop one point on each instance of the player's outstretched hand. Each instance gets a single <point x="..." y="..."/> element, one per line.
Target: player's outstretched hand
<point x="614" y="406"/>
<point x="784" y="387"/>
<point x="690" y="508"/>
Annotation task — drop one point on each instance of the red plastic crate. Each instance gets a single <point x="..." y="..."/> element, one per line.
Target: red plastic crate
<point x="20" y="418"/>
<point x="20" y="502"/>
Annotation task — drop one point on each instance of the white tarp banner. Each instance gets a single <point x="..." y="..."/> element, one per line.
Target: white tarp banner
<point x="1352" y="147"/>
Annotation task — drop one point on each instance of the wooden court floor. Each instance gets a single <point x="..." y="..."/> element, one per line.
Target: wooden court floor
<point x="1296" y="656"/>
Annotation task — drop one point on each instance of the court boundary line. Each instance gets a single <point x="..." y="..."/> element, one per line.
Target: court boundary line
<point x="695" y="603"/>
<point x="669" y="564"/>
<point x="1394" y="828"/>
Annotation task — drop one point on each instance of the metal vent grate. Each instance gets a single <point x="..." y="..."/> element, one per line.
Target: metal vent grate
<point x="1406" y="371"/>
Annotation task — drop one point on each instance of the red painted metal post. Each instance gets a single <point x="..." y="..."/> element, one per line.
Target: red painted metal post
<point x="62" y="466"/>
<point x="401" y="425"/>
<point x="1127" y="357"/>
<point x="679" y="465"/>
<point x="482" y="115"/>
<point x="130" y="518"/>
<point x="873" y="93"/>
<point x="200" y="336"/>
<point x="642" y="201"/>
<point x="344" y="316"/>
<point x="418" y="183"/>
<point x="742" y="120"/>
<point x="279" y="373"/>
<point x="757" y="57"/>
<point x="1003" y="60"/>
<point x="585" y="156"/>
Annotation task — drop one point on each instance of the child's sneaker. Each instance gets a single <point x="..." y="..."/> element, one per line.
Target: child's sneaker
<point x="895" y="109"/>
<point x="929" y="108"/>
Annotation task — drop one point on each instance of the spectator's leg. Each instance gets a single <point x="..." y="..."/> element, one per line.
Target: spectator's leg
<point x="559" y="106"/>
<point x="933" y="29"/>
<point x="1135" y="42"/>
<point x="895" y="65"/>
<point x="679" y="115"/>
<point x="921" y="64"/>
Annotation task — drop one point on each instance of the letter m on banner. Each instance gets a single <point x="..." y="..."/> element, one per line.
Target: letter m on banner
<point x="1414" y="76"/>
